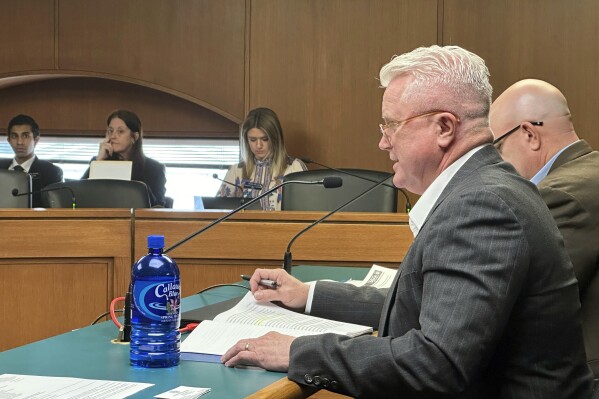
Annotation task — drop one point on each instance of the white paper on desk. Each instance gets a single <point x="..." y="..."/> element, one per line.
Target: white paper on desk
<point x="251" y="319"/>
<point x="378" y="277"/>
<point x="31" y="386"/>
<point x="183" y="392"/>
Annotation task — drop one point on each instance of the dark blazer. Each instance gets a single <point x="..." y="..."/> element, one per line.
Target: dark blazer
<point x="153" y="173"/>
<point x="485" y="304"/>
<point x="42" y="173"/>
<point x="571" y="191"/>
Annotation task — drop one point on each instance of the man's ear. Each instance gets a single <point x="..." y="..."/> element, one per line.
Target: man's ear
<point x="447" y="124"/>
<point x="532" y="135"/>
<point x="35" y="140"/>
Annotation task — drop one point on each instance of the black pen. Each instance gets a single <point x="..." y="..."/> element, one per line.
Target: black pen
<point x="264" y="282"/>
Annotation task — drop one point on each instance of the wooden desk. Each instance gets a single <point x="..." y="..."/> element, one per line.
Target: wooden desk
<point x="57" y="268"/>
<point x="60" y="268"/>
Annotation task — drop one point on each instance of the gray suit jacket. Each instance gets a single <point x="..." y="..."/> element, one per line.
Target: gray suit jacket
<point x="571" y="191"/>
<point x="485" y="304"/>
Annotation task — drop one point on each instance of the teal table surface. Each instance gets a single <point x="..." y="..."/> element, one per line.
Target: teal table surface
<point x="89" y="353"/>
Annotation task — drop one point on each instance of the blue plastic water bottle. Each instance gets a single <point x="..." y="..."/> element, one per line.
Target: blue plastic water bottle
<point x="155" y="308"/>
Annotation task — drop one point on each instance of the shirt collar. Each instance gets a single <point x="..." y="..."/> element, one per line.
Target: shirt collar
<point x="25" y="165"/>
<point x="542" y="173"/>
<point x="263" y="162"/>
<point x="420" y="211"/>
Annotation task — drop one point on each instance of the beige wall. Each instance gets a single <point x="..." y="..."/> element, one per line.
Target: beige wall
<point x="315" y="62"/>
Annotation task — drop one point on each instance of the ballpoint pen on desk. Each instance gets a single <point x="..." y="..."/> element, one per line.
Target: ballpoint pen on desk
<point x="263" y="282"/>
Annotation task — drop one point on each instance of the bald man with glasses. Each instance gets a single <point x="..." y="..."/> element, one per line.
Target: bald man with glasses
<point x="533" y="131"/>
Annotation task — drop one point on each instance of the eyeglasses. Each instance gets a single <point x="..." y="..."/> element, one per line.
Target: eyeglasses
<point x="396" y="124"/>
<point x="119" y="131"/>
<point x="498" y="139"/>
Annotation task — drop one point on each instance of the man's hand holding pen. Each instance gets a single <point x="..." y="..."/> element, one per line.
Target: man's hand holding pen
<point x="264" y="283"/>
<point x="287" y="289"/>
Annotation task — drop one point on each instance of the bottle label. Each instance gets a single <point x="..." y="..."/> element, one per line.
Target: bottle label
<point x="158" y="301"/>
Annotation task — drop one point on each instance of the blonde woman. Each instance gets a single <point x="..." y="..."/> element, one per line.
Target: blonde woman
<point x="264" y="160"/>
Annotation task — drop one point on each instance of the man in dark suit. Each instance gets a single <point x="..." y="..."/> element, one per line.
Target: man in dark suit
<point x="543" y="146"/>
<point x="23" y="136"/>
<point x="485" y="304"/>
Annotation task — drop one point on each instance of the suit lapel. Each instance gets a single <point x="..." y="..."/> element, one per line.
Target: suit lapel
<point x="389" y="300"/>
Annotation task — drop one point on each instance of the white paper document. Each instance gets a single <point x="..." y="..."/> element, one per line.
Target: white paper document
<point x="378" y="277"/>
<point x="183" y="392"/>
<point x="251" y="319"/>
<point x="15" y="386"/>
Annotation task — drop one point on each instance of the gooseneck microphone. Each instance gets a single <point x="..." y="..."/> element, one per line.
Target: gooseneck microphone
<point x="287" y="259"/>
<point x="247" y="184"/>
<point x="408" y="204"/>
<point x="327" y="182"/>
<point x="16" y="193"/>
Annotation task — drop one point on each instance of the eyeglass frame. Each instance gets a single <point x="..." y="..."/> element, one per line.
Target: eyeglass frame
<point x="397" y="124"/>
<point x="503" y="136"/>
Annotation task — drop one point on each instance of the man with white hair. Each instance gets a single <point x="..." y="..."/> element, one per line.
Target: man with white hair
<point x="533" y="131"/>
<point x="485" y="304"/>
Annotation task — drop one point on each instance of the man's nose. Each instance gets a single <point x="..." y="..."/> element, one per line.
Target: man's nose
<point x="384" y="144"/>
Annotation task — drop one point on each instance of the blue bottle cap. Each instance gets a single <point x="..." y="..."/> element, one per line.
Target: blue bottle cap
<point x="156" y="241"/>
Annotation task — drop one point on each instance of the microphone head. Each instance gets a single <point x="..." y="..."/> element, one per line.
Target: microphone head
<point x="15" y="192"/>
<point x="332" y="182"/>
<point x="306" y="160"/>
<point x="214" y="176"/>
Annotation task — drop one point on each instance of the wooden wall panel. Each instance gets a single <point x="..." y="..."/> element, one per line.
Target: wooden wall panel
<point x="316" y="64"/>
<point x="62" y="264"/>
<point x="553" y="40"/>
<point x="191" y="48"/>
<point x="72" y="237"/>
<point x="79" y="106"/>
<point x="50" y="297"/>
<point x="26" y="35"/>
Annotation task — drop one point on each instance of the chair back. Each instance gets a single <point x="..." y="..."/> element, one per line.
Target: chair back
<point x="302" y="197"/>
<point x="98" y="193"/>
<point x="9" y="180"/>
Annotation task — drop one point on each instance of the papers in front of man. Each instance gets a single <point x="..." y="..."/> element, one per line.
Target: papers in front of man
<point x="378" y="277"/>
<point x="250" y="319"/>
<point x="32" y="386"/>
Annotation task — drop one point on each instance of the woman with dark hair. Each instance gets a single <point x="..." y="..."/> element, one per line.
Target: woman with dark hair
<point x="124" y="142"/>
<point x="264" y="160"/>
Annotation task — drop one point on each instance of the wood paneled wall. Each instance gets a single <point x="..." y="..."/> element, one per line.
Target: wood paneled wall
<point x="191" y="48"/>
<point x="80" y="106"/>
<point x="315" y="62"/>
<point x="553" y="40"/>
